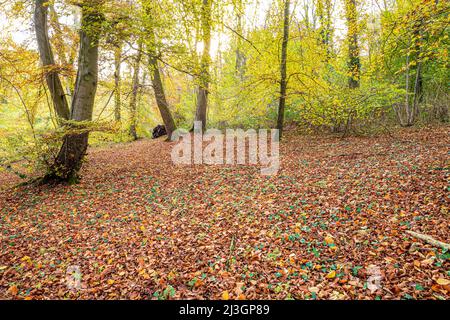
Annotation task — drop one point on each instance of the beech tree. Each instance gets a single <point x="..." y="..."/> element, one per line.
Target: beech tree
<point x="135" y="92"/>
<point x="324" y="9"/>
<point x="204" y="77"/>
<point x="117" y="82"/>
<point x="354" y="64"/>
<point x="240" y="56"/>
<point x="48" y="61"/>
<point x="117" y="34"/>
<point x="70" y="157"/>
<point x="155" y="74"/>
<point x="283" y="68"/>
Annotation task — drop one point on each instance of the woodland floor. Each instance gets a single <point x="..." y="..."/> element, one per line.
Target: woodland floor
<point x="141" y="228"/>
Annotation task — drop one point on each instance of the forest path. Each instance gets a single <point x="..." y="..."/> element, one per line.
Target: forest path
<point x="138" y="226"/>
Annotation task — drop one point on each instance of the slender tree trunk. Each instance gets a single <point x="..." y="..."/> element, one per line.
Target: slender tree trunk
<point x="328" y="28"/>
<point x="283" y="69"/>
<point x="141" y="91"/>
<point x="406" y="122"/>
<point x="47" y="59"/>
<point x="134" y="93"/>
<point x="203" y="88"/>
<point x="413" y="86"/>
<point x="57" y="34"/>
<point x="324" y="14"/>
<point x="240" y="56"/>
<point x="60" y="51"/>
<point x="117" y="81"/>
<point x="160" y="96"/>
<point x="417" y="91"/>
<point x="418" y="82"/>
<point x="156" y="79"/>
<point x="354" y="64"/>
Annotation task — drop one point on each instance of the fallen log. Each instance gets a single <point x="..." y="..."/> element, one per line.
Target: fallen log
<point x="428" y="239"/>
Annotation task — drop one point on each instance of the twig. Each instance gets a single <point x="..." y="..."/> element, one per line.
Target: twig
<point x="243" y="38"/>
<point x="230" y="255"/>
<point x="109" y="99"/>
<point x="429" y="239"/>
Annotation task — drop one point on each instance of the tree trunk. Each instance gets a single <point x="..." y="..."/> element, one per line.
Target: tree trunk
<point x="203" y="88"/>
<point x="47" y="59"/>
<point x="283" y="68"/>
<point x="65" y="60"/>
<point x="134" y="93"/>
<point x="160" y="97"/>
<point x="354" y="64"/>
<point x="407" y="106"/>
<point x="70" y="157"/>
<point x="117" y="91"/>
<point x="324" y="14"/>
<point x="156" y="79"/>
<point x="417" y="91"/>
<point x="413" y="86"/>
<point x="418" y="82"/>
<point x="240" y="56"/>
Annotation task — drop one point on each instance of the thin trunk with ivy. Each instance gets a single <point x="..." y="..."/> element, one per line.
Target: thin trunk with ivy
<point x="325" y="30"/>
<point x="354" y="63"/>
<point x="283" y="69"/>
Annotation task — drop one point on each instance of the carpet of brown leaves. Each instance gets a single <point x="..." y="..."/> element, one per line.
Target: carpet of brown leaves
<point x="139" y="227"/>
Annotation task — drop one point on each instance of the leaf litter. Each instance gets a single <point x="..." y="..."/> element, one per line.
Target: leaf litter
<point x="139" y="227"/>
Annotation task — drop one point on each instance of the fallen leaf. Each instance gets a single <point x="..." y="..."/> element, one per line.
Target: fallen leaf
<point x="329" y="240"/>
<point x="225" y="295"/>
<point x="443" y="282"/>
<point x="13" y="290"/>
